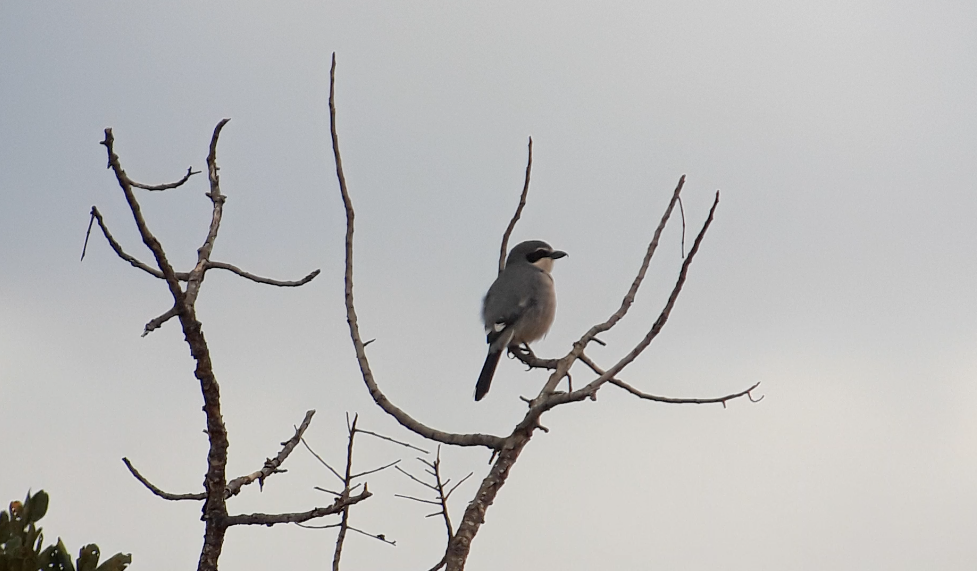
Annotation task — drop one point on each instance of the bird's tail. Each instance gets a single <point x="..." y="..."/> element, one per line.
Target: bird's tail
<point x="488" y="371"/>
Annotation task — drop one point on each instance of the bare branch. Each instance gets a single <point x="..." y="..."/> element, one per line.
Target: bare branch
<point x="165" y="495"/>
<point x="522" y="204"/>
<point x="167" y="186"/>
<point x="157" y="322"/>
<point x="412" y="477"/>
<point x="309" y="526"/>
<point x="638" y="279"/>
<point x="453" y="488"/>
<point x="387" y="438"/>
<point x="215" y="482"/>
<point x="421" y="500"/>
<point x="151" y="242"/>
<point x="344" y="523"/>
<point x="88" y="234"/>
<point x="717" y="400"/>
<point x="591" y="388"/>
<point x="97" y="216"/>
<point x="442" y="496"/>
<point x="488" y="441"/>
<point x="271" y="466"/>
<point x="681" y="211"/>
<point x="375" y="470"/>
<point x="259" y="279"/>
<point x="321" y="461"/>
<point x="382" y="537"/>
<point x="198" y="273"/>
<point x="271" y="519"/>
<point x="528" y="358"/>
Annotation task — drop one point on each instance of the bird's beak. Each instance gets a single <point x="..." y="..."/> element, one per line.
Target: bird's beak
<point x="557" y="254"/>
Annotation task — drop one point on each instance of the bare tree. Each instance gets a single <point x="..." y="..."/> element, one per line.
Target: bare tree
<point x="217" y="489"/>
<point x="505" y="450"/>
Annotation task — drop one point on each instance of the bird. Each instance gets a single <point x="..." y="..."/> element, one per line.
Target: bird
<point x="520" y="306"/>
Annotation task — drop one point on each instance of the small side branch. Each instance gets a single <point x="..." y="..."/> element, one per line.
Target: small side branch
<point x="718" y="400"/>
<point x="441" y="491"/>
<point x="299" y="517"/>
<point x="271" y="465"/>
<point x="167" y="186"/>
<point x="184" y="276"/>
<point x="646" y="396"/>
<point x="639" y="278"/>
<point x="259" y="279"/>
<point x="157" y="322"/>
<point x="522" y="204"/>
<point x="117" y="248"/>
<point x="165" y="495"/>
<point x="347" y="481"/>
<point x="591" y="389"/>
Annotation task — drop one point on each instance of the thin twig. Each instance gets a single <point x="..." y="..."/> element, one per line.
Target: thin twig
<point x="117" y="248"/>
<point x="375" y="470"/>
<point x="522" y="204"/>
<point x="670" y="400"/>
<point x="453" y="488"/>
<point x="157" y="322"/>
<point x="681" y="211"/>
<point x="271" y="466"/>
<point x="347" y="480"/>
<point x="387" y="438"/>
<point x="321" y="461"/>
<point x="262" y="280"/>
<point x="165" y="495"/>
<point x="88" y="234"/>
<point x="416" y="479"/>
<point x="717" y="400"/>
<point x="421" y="500"/>
<point x="591" y="388"/>
<point x="167" y="186"/>
<point x="271" y="519"/>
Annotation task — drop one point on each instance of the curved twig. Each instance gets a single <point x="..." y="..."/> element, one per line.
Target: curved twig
<point x="670" y="400"/>
<point x="548" y="401"/>
<point x="522" y="204"/>
<point x="272" y="519"/>
<point x="167" y="186"/>
<point x="488" y="441"/>
<point x="271" y="465"/>
<point x="165" y="495"/>
<point x="259" y="279"/>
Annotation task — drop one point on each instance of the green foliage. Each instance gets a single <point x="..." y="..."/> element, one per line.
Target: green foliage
<point x="21" y="541"/>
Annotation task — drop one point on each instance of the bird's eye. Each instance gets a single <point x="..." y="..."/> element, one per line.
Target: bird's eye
<point x="537" y="255"/>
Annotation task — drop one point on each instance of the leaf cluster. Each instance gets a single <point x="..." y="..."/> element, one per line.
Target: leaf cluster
<point x="21" y="542"/>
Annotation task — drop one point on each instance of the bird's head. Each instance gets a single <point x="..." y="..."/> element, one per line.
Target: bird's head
<point x="535" y="252"/>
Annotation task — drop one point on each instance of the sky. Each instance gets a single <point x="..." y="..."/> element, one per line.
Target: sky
<point x="839" y="272"/>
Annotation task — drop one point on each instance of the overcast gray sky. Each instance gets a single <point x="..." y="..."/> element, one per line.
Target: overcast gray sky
<point x="840" y="271"/>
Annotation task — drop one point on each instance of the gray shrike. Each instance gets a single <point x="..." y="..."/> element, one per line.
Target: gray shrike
<point x="520" y="306"/>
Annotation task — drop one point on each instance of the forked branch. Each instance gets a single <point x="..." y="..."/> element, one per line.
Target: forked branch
<point x="216" y="488"/>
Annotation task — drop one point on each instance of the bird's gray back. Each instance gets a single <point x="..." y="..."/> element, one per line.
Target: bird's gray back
<point x="523" y="296"/>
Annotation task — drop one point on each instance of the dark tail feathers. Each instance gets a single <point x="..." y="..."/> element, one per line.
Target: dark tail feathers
<point x="488" y="371"/>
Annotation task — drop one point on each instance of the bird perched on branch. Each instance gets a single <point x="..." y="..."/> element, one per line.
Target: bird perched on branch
<point x="520" y="306"/>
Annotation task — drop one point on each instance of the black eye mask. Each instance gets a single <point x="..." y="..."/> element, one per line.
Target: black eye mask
<point x="538" y="255"/>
